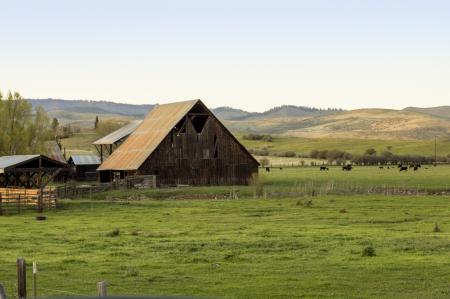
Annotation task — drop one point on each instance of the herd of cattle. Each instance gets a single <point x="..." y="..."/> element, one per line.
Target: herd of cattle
<point x="349" y="167"/>
<point x="400" y="167"/>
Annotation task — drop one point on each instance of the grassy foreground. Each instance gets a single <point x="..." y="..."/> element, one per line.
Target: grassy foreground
<point x="237" y="248"/>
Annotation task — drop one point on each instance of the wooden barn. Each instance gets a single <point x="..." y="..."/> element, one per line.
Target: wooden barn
<point x="182" y="143"/>
<point x="85" y="167"/>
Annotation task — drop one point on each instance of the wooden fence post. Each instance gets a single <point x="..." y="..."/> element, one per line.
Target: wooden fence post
<point x="21" y="279"/>
<point x="101" y="288"/>
<point x="34" y="280"/>
<point x="1" y="208"/>
<point x="2" y="292"/>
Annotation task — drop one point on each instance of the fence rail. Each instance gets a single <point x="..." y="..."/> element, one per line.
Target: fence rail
<point x="26" y="198"/>
<point x="86" y="190"/>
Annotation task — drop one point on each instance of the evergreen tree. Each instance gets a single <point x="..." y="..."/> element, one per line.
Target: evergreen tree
<point x="55" y="124"/>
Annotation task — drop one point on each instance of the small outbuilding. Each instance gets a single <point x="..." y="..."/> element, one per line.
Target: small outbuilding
<point x="182" y="143"/>
<point x="109" y="143"/>
<point x="85" y="167"/>
<point x="29" y="171"/>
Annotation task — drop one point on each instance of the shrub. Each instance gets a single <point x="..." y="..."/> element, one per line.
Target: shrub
<point x="114" y="233"/>
<point x="368" y="251"/>
<point x="436" y="228"/>
<point x="267" y="138"/>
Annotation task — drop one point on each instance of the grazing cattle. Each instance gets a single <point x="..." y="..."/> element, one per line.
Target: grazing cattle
<point x="404" y="168"/>
<point x="268" y="169"/>
<point x="411" y="165"/>
<point x="323" y="168"/>
<point x="347" y="167"/>
<point x="415" y="168"/>
<point x="281" y="168"/>
<point x="388" y="167"/>
<point x="380" y="167"/>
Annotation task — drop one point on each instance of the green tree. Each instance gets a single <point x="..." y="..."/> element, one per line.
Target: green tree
<point x="55" y="124"/>
<point x="371" y="152"/>
<point x="21" y="132"/>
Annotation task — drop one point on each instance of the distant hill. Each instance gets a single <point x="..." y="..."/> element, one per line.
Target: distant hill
<point x="441" y="111"/>
<point x="101" y="107"/>
<point x="227" y="113"/>
<point x="410" y="123"/>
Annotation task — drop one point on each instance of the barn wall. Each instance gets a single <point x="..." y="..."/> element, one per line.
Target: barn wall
<point x="211" y="157"/>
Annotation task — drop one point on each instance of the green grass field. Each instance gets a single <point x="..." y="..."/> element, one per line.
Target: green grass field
<point x="354" y="146"/>
<point x="284" y="244"/>
<point x="238" y="248"/>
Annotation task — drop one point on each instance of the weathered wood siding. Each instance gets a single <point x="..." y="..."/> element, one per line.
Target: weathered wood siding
<point x="211" y="157"/>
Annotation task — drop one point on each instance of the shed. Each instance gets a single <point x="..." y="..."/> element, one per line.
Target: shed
<point x="182" y="143"/>
<point x="85" y="166"/>
<point x="29" y="171"/>
<point x="107" y="144"/>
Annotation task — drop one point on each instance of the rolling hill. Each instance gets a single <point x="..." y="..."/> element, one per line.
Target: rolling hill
<point x="408" y="124"/>
<point x="441" y="111"/>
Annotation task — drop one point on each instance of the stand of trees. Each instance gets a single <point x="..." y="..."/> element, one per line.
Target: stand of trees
<point x="21" y="131"/>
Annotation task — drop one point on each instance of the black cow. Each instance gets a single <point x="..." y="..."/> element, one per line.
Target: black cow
<point x="347" y="167"/>
<point x="404" y="168"/>
<point x="323" y="168"/>
<point x="268" y="169"/>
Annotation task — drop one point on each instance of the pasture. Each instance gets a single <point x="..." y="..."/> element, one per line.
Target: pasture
<point x="284" y="243"/>
<point x="238" y="248"/>
<point x="351" y="145"/>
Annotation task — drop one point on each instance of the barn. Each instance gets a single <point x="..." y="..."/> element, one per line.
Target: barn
<point x="84" y="166"/>
<point x="182" y="143"/>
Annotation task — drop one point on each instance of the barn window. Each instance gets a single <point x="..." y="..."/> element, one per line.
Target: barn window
<point x="199" y="122"/>
<point x="216" y="154"/>
<point x="215" y="140"/>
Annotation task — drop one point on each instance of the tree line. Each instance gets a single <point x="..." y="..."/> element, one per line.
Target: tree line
<point x="22" y="131"/>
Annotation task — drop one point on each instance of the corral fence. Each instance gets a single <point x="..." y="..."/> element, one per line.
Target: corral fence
<point x="21" y="287"/>
<point x="71" y="190"/>
<point x="12" y="198"/>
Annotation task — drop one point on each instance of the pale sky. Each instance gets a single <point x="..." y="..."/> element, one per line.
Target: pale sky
<point x="251" y="55"/>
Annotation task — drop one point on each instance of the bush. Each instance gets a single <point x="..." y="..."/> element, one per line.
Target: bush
<point x="114" y="233"/>
<point x="436" y="228"/>
<point x="267" y="138"/>
<point x="288" y="154"/>
<point x="259" y="152"/>
<point x="368" y="251"/>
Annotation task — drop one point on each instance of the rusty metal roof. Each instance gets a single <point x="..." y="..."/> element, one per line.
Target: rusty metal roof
<point x="118" y="134"/>
<point x="147" y="136"/>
